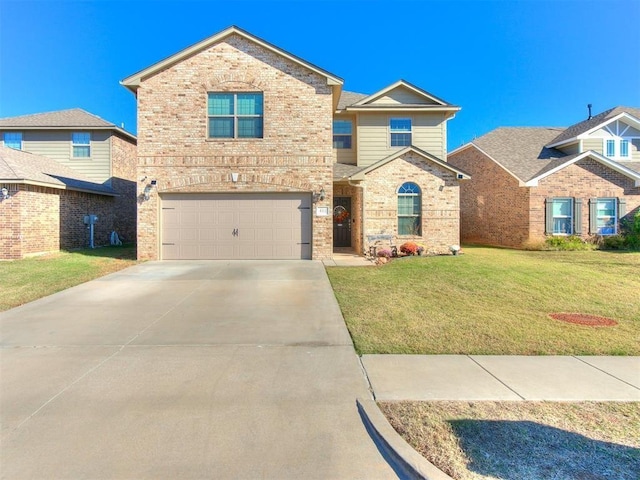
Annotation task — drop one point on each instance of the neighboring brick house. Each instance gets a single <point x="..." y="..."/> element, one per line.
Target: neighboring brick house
<point x="247" y="151"/>
<point x="43" y="204"/>
<point x="98" y="150"/>
<point x="530" y="183"/>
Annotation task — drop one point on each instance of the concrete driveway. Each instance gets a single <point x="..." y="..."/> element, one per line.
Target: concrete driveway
<point x="185" y="370"/>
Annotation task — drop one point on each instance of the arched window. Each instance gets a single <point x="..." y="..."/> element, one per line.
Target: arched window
<point x="409" y="209"/>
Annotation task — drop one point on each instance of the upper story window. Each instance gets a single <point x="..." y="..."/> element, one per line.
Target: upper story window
<point x="400" y="130"/>
<point x="409" y="209"/>
<point x="342" y="133"/>
<point x="81" y="144"/>
<point x="617" y="148"/>
<point x="235" y="115"/>
<point x="13" y="140"/>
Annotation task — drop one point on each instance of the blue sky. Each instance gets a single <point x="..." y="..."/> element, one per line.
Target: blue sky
<point x="505" y="62"/>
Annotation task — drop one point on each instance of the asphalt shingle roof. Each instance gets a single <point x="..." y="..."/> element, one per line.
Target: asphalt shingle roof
<point x="586" y="125"/>
<point x="521" y="150"/>
<point x="75" y="117"/>
<point x="349" y="98"/>
<point x="344" y="170"/>
<point x="16" y="165"/>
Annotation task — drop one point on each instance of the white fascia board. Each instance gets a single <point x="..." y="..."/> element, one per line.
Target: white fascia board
<point x="393" y="86"/>
<point x="406" y="108"/>
<point x="620" y="116"/>
<point x="133" y="81"/>
<point x="596" y="156"/>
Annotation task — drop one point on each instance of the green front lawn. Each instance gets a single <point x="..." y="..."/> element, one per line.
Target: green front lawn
<point x="32" y="278"/>
<point x="493" y="301"/>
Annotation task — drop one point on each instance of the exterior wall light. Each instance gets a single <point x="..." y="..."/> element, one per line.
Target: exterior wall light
<point x="320" y="196"/>
<point x="147" y="192"/>
<point x="5" y="193"/>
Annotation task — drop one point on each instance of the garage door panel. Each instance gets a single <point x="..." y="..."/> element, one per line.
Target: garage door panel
<point x="236" y="226"/>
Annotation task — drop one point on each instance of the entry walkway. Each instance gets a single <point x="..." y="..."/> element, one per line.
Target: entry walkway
<point x="494" y="377"/>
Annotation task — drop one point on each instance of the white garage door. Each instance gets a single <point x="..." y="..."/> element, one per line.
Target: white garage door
<point x="236" y="226"/>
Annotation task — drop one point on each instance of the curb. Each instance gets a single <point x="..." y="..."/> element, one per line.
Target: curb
<point x="405" y="459"/>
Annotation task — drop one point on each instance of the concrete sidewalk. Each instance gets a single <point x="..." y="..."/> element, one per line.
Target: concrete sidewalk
<point x="498" y="377"/>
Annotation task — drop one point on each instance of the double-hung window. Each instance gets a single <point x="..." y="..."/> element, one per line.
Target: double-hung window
<point x="235" y="115"/>
<point x="400" y="131"/>
<point x="563" y="216"/>
<point x="81" y="144"/>
<point x="342" y="134"/>
<point x="606" y="218"/>
<point x="604" y="214"/>
<point x="409" y="209"/>
<point x="13" y="140"/>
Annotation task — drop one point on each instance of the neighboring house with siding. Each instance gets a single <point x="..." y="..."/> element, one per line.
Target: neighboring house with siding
<point x="97" y="150"/>
<point x="248" y="151"/>
<point x="533" y="182"/>
<point x="43" y="204"/>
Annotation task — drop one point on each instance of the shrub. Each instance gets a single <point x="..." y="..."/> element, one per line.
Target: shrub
<point x="570" y="243"/>
<point x="384" y="252"/>
<point x="612" y="242"/>
<point x="409" y="248"/>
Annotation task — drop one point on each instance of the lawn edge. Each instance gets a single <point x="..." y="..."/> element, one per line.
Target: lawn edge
<point x="404" y="457"/>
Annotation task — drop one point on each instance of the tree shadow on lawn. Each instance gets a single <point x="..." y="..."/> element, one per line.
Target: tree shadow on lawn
<point x="514" y="450"/>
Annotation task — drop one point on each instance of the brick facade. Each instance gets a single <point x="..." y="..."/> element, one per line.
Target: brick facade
<point x="41" y="220"/>
<point x="495" y="210"/>
<point x="295" y="154"/>
<point x="440" y="202"/>
<point x="123" y="181"/>
<point x="584" y="179"/>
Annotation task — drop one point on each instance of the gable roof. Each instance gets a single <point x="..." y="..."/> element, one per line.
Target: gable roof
<point x="572" y="133"/>
<point x="360" y="173"/>
<point x="17" y="166"/>
<point x="132" y="82"/>
<point x="367" y="103"/>
<point x="72" y="118"/>
<point x="522" y="153"/>
<point x="561" y="163"/>
<point x="349" y="98"/>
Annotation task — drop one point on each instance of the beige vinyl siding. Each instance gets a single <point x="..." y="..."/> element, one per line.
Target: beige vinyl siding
<point x="344" y="155"/>
<point x="402" y="96"/>
<point x="57" y="145"/>
<point x="594" y="144"/>
<point x="570" y="149"/>
<point x="428" y="133"/>
<point x="635" y="149"/>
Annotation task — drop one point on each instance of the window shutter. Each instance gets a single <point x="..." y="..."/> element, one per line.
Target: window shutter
<point x="548" y="225"/>
<point x="578" y="216"/>
<point x="593" y="216"/>
<point x="622" y="207"/>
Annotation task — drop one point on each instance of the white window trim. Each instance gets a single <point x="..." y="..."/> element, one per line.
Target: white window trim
<point x="391" y="131"/>
<point x="615" y="215"/>
<point x="571" y="217"/>
<point x="12" y="133"/>
<point x="342" y="134"/>
<point x="73" y="157"/>
<point x="617" y="142"/>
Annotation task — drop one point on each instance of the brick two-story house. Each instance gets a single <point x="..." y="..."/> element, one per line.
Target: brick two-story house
<point x="246" y="151"/>
<point x="77" y="164"/>
<point x="534" y="182"/>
